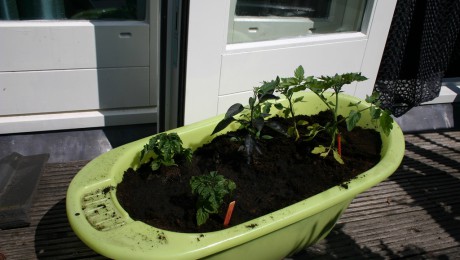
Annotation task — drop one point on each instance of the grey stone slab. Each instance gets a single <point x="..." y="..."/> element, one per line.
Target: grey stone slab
<point x="19" y="177"/>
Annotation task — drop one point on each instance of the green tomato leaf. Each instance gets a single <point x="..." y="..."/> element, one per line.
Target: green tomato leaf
<point x="279" y="106"/>
<point x="266" y="108"/>
<point x="231" y="185"/>
<point x="319" y="150"/>
<point x="375" y="112"/>
<point x="324" y="154"/>
<point x="144" y="152"/>
<point x="302" y="122"/>
<point x="386" y="122"/>
<point x="298" y="99"/>
<point x="299" y="73"/>
<point x="352" y="119"/>
<point x="351" y="104"/>
<point x="298" y="88"/>
<point x="201" y="216"/>
<point x="286" y="112"/>
<point x="268" y="87"/>
<point x="210" y="190"/>
<point x="372" y="98"/>
<point x="289" y="82"/>
<point x="155" y="165"/>
<point x="337" y="157"/>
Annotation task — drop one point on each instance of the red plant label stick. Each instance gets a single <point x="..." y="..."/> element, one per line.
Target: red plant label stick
<point x="339" y="144"/>
<point x="228" y="216"/>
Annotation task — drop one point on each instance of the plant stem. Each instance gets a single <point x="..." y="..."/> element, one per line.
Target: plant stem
<point x="336" y="116"/>
<point x="336" y="111"/>
<point x="297" y="136"/>
<point x="324" y="101"/>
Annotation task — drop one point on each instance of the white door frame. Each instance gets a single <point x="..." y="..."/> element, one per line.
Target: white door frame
<point x="207" y="48"/>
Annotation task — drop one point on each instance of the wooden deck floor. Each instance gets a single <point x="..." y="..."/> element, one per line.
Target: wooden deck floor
<point x="413" y="214"/>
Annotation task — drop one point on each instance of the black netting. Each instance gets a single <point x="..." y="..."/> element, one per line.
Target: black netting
<point x="423" y="35"/>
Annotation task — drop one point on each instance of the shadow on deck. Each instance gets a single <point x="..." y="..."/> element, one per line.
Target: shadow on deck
<point x="413" y="214"/>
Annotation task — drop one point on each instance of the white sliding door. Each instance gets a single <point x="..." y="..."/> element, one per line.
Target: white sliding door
<point x="76" y="64"/>
<point x="234" y="45"/>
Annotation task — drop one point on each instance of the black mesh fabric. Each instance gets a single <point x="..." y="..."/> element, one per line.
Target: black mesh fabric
<point x="422" y="37"/>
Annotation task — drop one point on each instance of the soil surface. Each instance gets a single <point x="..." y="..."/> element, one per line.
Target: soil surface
<point x="281" y="172"/>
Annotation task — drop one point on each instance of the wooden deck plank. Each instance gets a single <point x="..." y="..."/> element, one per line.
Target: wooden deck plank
<point x="49" y="236"/>
<point x="421" y="216"/>
<point x="414" y="214"/>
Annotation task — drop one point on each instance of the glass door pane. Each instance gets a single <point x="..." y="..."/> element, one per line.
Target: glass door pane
<point x="262" y="20"/>
<point x="72" y="10"/>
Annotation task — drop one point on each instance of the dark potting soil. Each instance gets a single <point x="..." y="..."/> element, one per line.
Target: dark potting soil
<point x="282" y="173"/>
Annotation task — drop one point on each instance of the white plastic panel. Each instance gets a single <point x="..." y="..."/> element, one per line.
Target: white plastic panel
<point x="72" y="120"/>
<point x="64" y="74"/>
<point x="243" y="71"/>
<point x="48" y="45"/>
<point x="35" y="92"/>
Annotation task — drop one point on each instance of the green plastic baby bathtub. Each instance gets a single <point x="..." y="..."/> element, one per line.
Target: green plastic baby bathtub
<point x="100" y="222"/>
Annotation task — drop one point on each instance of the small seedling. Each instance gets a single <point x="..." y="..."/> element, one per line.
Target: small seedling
<point x="165" y="148"/>
<point x="211" y="190"/>
<point x="252" y="118"/>
<point x="287" y="87"/>
<point x="326" y="83"/>
<point x="321" y="87"/>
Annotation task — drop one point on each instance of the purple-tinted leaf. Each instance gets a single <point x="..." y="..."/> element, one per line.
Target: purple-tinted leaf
<point x="234" y="110"/>
<point x="277" y="127"/>
<point x="258" y="123"/>
<point x="265" y="97"/>
<point x="222" y="124"/>
<point x="265" y="115"/>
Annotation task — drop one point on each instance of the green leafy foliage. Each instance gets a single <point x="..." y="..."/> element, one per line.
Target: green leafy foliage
<point x="352" y="119"/>
<point x="320" y="86"/>
<point x="386" y="121"/>
<point x="211" y="190"/>
<point x="321" y="150"/>
<point x="335" y="83"/>
<point x="252" y="118"/>
<point x="165" y="148"/>
<point x="287" y="87"/>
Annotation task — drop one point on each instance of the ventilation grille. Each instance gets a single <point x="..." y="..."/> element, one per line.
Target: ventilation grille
<point x="100" y="210"/>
